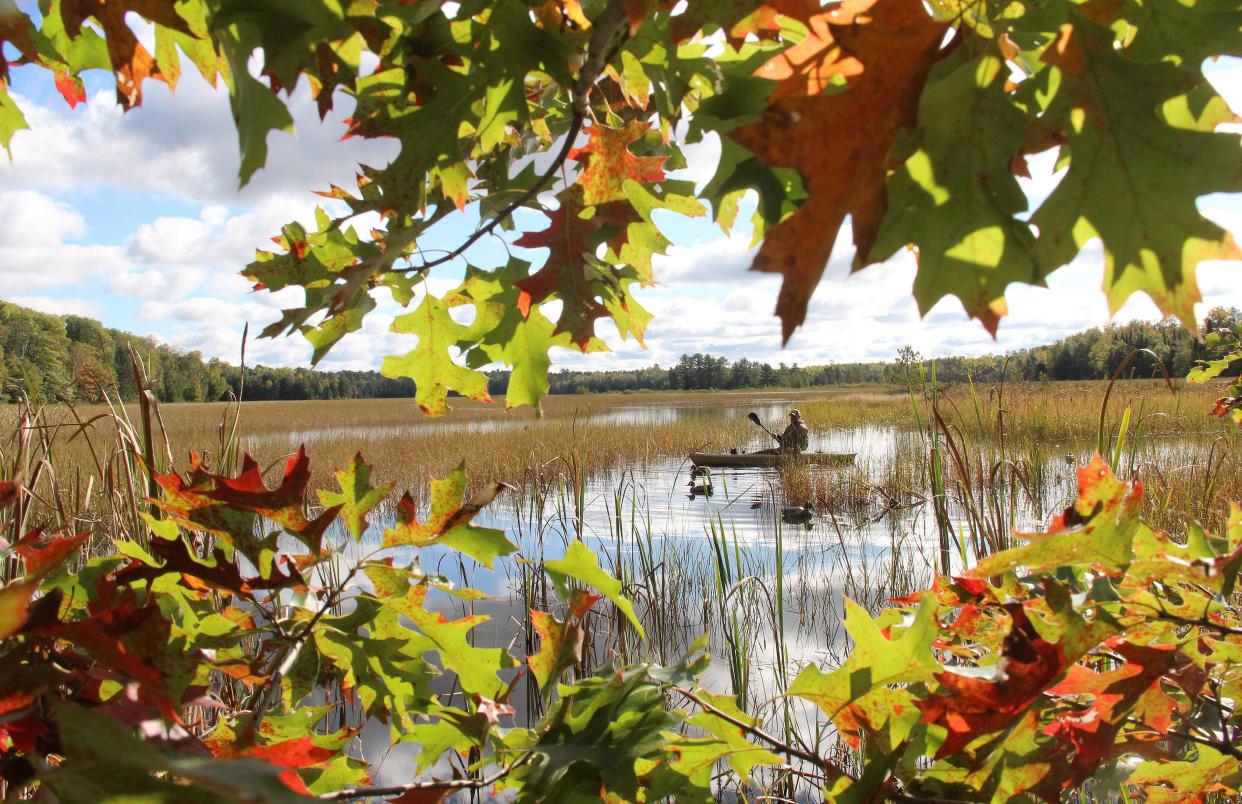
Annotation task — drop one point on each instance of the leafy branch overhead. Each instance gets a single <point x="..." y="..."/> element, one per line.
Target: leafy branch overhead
<point x="914" y="122"/>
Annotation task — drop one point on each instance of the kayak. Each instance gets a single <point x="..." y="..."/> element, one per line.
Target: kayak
<point x="770" y="461"/>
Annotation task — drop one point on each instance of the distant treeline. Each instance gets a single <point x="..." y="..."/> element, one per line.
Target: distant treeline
<point x="1093" y="354"/>
<point x="51" y="357"/>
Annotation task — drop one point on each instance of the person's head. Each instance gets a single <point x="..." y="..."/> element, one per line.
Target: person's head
<point x="794" y="416"/>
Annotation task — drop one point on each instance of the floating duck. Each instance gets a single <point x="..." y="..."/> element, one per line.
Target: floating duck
<point x="798" y="514"/>
<point x="705" y="487"/>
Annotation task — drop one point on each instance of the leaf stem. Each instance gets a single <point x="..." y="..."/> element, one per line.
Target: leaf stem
<point x="780" y="745"/>
<point x="607" y="28"/>
<point x="450" y="784"/>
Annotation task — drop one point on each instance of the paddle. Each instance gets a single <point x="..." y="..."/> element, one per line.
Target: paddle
<point x="754" y="417"/>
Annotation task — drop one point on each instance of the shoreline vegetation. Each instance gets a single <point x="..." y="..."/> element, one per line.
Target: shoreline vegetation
<point x="50" y="357"/>
<point x="1021" y="429"/>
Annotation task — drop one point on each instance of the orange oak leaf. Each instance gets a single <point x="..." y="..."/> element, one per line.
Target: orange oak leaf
<point x="43" y="553"/>
<point x="840" y="143"/>
<point x="810" y="66"/>
<point x="295" y="753"/>
<point x="610" y="163"/>
<point x="131" y="62"/>
<point x="971" y="706"/>
<point x="739" y="18"/>
<point x="126" y="638"/>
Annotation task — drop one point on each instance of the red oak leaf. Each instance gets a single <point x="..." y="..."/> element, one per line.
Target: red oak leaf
<point x="610" y="163"/>
<point x="1132" y="689"/>
<point x="8" y="493"/>
<point x="569" y="272"/>
<point x="972" y="706"/>
<point x="44" y="553"/>
<point x="70" y="88"/>
<point x="840" y="142"/>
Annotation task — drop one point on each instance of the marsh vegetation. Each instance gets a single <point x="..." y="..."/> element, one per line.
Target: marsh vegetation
<point x="942" y="477"/>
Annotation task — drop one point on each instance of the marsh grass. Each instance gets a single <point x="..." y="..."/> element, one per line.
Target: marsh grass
<point x="999" y="453"/>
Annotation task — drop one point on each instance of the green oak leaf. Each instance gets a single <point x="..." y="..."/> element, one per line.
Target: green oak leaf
<point x="1184" y="32"/>
<point x="844" y="694"/>
<point x="11" y="118"/>
<point x="477" y="669"/>
<point x="429" y="364"/>
<point x="730" y="740"/>
<point x="357" y="496"/>
<point x="580" y="564"/>
<point x="956" y="197"/>
<point x="1100" y="529"/>
<point x="256" y="109"/>
<point x="560" y="646"/>
<point x="448" y="522"/>
<point x="516" y="340"/>
<point x="1133" y="176"/>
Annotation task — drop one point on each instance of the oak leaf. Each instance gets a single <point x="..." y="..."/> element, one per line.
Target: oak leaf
<point x="610" y="162"/>
<point x="1119" y="132"/>
<point x="449" y="521"/>
<point x="840" y="141"/>
<point x="131" y="62"/>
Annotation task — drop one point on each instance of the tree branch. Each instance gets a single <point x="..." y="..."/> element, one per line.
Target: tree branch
<point x="451" y="784"/>
<point x="610" y="25"/>
<point x="266" y="694"/>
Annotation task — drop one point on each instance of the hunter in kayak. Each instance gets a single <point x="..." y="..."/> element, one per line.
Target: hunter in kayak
<point x="793" y="441"/>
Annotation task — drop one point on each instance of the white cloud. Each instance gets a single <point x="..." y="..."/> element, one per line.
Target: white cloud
<point x="35" y="248"/>
<point x="30" y="219"/>
<point x="184" y="146"/>
<point x="155" y="283"/>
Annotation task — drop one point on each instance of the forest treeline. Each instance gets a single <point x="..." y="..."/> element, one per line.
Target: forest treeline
<point x="70" y="357"/>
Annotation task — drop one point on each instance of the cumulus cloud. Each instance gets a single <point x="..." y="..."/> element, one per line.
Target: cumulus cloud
<point x="37" y="251"/>
<point x="183" y="147"/>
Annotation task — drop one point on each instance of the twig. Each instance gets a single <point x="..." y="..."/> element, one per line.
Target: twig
<point x="451" y="784"/>
<point x="782" y="746"/>
<point x="1222" y="747"/>
<point x="606" y="29"/>
<point x="264" y="698"/>
<point x="1201" y="623"/>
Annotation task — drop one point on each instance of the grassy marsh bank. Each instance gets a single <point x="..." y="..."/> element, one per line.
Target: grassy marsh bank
<point x="1017" y="441"/>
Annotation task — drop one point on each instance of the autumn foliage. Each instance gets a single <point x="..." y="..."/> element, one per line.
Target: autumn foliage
<point x="191" y="658"/>
<point x="919" y="123"/>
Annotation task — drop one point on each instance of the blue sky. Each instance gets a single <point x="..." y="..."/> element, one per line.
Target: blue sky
<point x="136" y="219"/>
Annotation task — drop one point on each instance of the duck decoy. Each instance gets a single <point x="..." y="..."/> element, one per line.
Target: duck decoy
<point x="798" y="514"/>
<point x="696" y="489"/>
